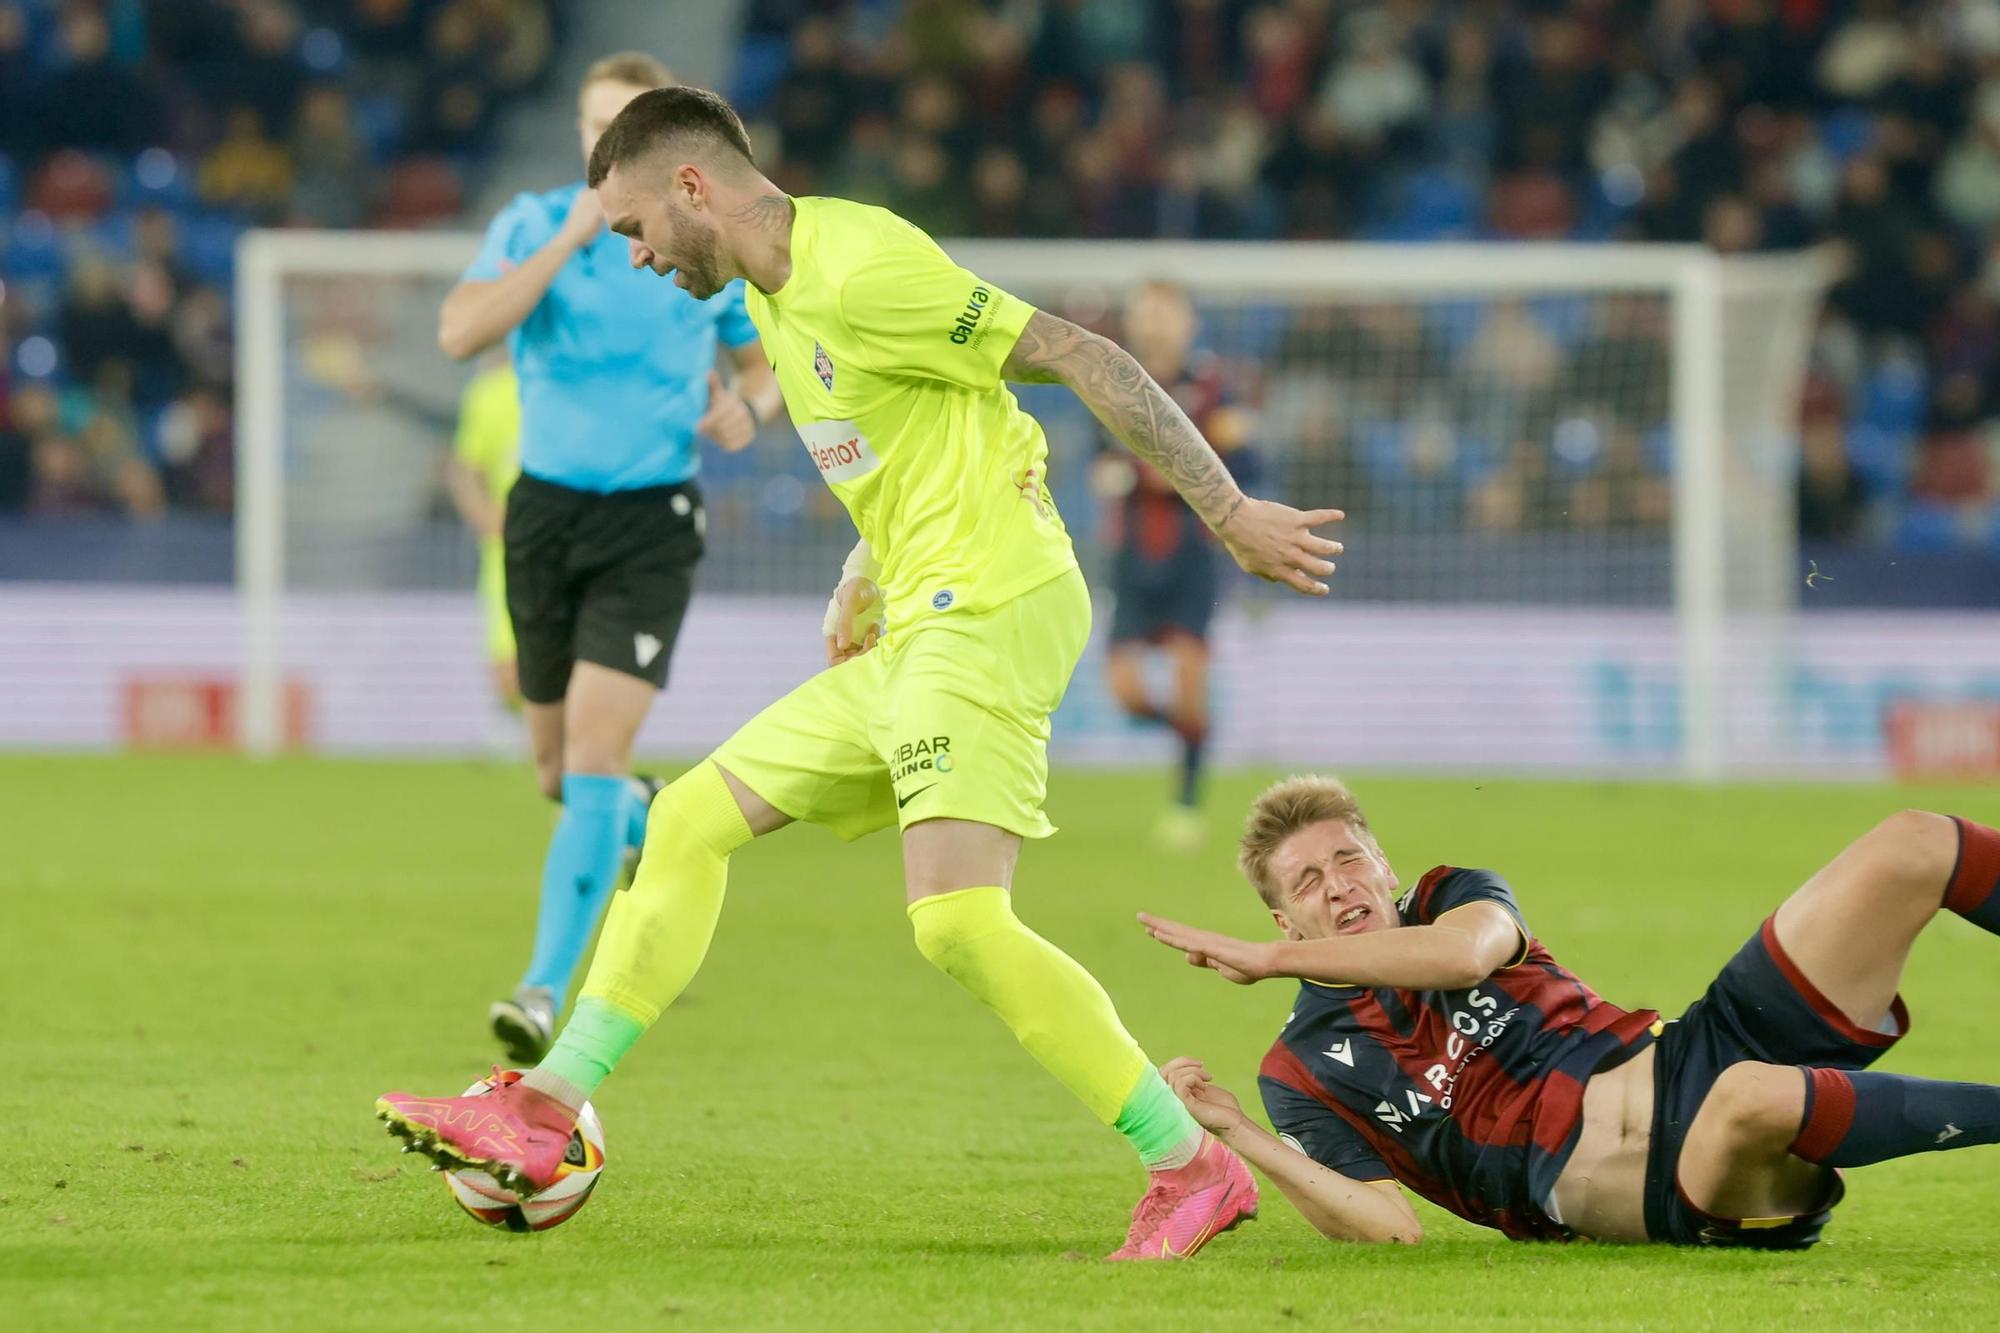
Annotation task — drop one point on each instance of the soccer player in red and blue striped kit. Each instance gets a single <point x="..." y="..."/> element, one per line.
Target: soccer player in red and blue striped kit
<point x="1436" y="1045"/>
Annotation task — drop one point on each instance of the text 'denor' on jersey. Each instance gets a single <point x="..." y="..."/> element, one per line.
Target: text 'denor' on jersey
<point x="839" y="450"/>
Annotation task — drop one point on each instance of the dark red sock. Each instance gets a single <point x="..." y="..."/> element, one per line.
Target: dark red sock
<point x="1974" y="890"/>
<point x="1861" y="1117"/>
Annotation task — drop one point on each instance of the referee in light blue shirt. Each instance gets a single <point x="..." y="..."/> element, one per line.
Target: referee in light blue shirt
<point x="604" y="529"/>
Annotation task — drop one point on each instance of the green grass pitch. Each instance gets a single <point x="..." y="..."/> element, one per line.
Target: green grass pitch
<point x="209" y="968"/>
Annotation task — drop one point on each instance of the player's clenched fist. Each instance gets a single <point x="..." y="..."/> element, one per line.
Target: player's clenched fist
<point x="728" y="420"/>
<point x="583" y="221"/>
<point x="1277" y="542"/>
<point x="853" y="622"/>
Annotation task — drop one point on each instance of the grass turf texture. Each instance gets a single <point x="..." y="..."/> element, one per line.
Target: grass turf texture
<point x="211" y="968"/>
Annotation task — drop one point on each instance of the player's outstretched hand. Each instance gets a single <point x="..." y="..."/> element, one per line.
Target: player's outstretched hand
<point x="728" y="420"/>
<point x="1277" y="542"/>
<point x="583" y="221"/>
<point x="1213" y="1106"/>
<point x="853" y="620"/>
<point x="1241" y="961"/>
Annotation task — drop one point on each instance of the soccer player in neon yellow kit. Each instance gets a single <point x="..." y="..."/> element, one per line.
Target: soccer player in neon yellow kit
<point x="894" y="362"/>
<point x="485" y="460"/>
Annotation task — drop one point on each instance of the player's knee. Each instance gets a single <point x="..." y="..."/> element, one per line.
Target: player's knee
<point x="1129" y="692"/>
<point x="942" y="930"/>
<point x="938" y="936"/>
<point x="1757" y="1106"/>
<point x="1914" y="849"/>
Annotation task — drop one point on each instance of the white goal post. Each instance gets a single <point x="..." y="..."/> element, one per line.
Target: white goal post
<point x="1737" y="332"/>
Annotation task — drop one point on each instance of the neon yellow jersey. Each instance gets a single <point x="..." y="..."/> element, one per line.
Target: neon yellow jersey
<point x="489" y="428"/>
<point x="890" y="355"/>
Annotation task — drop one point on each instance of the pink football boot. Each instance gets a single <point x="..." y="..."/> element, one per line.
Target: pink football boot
<point x="513" y="1133"/>
<point x="1185" y="1209"/>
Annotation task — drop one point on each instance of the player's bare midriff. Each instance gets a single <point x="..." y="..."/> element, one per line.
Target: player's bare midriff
<point x="1602" y="1190"/>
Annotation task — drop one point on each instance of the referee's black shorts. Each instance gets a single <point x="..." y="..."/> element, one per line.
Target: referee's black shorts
<point x="598" y="578"/>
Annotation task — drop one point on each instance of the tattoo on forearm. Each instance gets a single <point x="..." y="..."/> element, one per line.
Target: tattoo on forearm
<point x="770" y="211"/>
<point x="1119" y="392"/>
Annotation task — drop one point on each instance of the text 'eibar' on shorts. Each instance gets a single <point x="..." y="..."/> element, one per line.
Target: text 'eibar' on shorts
<point x="946" y="720"/>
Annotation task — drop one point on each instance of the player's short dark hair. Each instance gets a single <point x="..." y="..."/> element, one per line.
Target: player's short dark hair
<point x="1283" y="810"/>
<point x="692" y="120"/>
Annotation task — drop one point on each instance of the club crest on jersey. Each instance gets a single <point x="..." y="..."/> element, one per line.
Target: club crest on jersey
<point x="823" y="366"/>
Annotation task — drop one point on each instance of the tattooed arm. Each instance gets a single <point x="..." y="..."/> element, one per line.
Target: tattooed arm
<point x="1271" y="540"/>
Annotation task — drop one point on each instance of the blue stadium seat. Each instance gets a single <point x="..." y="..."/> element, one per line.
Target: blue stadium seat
<point x="157" y="178"/>
<point x="208" y="245"/>
<point x="1879" y="458"/>
<point x="1479" y="457"/>
<point x="1385" y="451"/>
<point x="1847" y="132"/>
<point x="116" y="237"/>
<point x="1250" y="332"/>
<point x="379" y="120"/>
<point x="1929" y="525"/>
<point x="33" y="250"/>
<point x="1576" y="445"/>
<point x="1436" y="204"/>
<point x="1458" y="322"/>
<point x="1658" y="445"/>
<point x="1567" y="319"/>
<point x="761" y="63"/>
<point x="1893" y="399"/>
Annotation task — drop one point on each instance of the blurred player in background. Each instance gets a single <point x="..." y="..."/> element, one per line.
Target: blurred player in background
<point x="895" y="363"/>
<point x="485" y="461"/>
<point x="1165" y="577"/>
<point x="603" y="530"/>
<point x="1436" y="1043"/>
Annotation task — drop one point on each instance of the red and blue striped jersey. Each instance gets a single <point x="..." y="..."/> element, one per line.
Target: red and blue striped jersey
<point x="1472" y="1098"/>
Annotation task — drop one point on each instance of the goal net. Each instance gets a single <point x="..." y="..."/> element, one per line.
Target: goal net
<point x="1568" y="472"/>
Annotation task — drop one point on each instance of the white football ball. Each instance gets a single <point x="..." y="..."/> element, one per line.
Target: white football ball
<point x="483" y="1197"/>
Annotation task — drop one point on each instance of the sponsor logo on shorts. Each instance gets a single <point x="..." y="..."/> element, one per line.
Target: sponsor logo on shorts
<point x="976" y="302"/>
<point x="932" y="754"/>
<point x="839" y="450"/>
<point x="645" y="647"/>
<point x="942" y="600"/>
<point x="823" y="366"/>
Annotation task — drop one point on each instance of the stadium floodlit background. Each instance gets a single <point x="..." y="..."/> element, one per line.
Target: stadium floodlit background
<point x="1508" y="448"/>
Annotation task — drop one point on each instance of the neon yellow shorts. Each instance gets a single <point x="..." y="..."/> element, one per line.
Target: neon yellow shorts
<point x="950" y="721"/>
<point x="493" y="602"/>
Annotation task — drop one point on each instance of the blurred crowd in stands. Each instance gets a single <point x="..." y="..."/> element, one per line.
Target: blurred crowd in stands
<point x="1746" y="124"/>
<point x="139" y="137"/>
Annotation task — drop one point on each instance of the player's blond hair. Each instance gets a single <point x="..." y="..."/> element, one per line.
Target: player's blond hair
<point x="635" y="68"/>
<point x="1285" y="808"/>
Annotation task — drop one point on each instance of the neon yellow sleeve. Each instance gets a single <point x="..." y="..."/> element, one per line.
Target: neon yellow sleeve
<point x="914" y="312"/>
<point x="474" y="441"/>
<point x="488" y="421"/>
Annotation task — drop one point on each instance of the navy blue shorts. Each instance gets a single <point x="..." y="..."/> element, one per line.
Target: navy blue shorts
<point x="1763" y="1008"/>
<point x="1157" y="599"/>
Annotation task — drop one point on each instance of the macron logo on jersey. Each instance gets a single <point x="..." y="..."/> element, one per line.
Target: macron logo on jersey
<point x="839" y="450"/>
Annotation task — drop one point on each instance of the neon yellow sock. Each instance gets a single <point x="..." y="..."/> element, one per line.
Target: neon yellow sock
<point x="1055" y="1008"/>
<point x="656" y="934"/>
